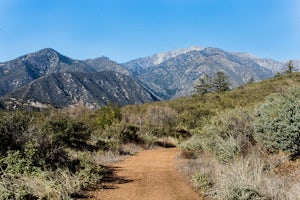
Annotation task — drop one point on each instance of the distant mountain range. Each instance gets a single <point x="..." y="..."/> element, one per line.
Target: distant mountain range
<point x="47" y="77"/>
<point x="174" y="74"/>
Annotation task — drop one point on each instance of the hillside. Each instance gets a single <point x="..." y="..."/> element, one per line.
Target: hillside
<point x="174" y="76"/>
<point x="73" y="88"/>
<point x="21" y="71"/>
<point x="47" y="77"/>
<point x="164" y="76"/>
<point x="72" y="149"/>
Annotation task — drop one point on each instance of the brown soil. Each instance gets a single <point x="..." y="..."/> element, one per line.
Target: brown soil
<point x="150" y="174"/>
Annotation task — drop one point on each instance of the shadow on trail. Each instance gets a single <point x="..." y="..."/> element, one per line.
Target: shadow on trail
<point x="111" y="179"/>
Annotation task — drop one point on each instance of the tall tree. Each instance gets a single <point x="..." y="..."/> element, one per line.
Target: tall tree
<point x="290" y="67"/>
<point x="221" y="82"/>
<point x="204" y="84"/>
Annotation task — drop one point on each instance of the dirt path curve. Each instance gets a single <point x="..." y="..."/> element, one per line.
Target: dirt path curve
<point x="149" y="175"/>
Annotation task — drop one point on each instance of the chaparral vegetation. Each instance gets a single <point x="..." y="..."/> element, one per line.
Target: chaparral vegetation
<point x="237" y="144"/>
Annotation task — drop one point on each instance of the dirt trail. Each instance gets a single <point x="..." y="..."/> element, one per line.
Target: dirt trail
<point x="149" y="175"/>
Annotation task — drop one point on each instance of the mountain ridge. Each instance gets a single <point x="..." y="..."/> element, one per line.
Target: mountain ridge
<point x="177" y="75"/>
<point x="161" y="76"/>
<point x="71" y="88"/>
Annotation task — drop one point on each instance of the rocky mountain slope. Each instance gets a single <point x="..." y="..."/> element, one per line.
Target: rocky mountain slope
<point x="48" y="77"/>
<point x="23" y="70"/>
<point x="175" y="76"/>
<point x="137" y="66"/>
<point x="104" y="64"/>
<point x="72" y="88"/>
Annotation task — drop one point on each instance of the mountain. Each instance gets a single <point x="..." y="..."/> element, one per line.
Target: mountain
<point x="71" y="88"/>
<point x="21" y="71"/>
<point x="175" y="76"/>
<point x="137" y="66"/>
<point x="105" y="64"/>
<point x="48" y="77"/>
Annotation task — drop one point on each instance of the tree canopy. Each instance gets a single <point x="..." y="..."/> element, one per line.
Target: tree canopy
<point x="219" y="82"/>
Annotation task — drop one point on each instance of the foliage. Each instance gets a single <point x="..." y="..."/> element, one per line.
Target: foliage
<point x="244" y="179"/>
<point x="201" y="181"/>
<point x="129" y="134"/>
<point x="195" y="143"/>
<point x="204" y="85"/>
<point x="277" y="122"/>
<point x="229" y="134"/>
<point x="90" y="174"/>
<point x="13" y="125"/>
<point x="290" y="67"/>
<point x="66" y="131"/>
<point x="26" y="162"/>
<point x="37" y="166"/>
<point x="219" y="83"/>
<point x="107" y="115"/>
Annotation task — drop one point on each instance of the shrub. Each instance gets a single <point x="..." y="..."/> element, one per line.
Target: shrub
<point x="129" y="134"/>
<point x="107" y="144"/>
<point x="201" y="181"/>
<point x="67" y="132"/>
<point x="229" y="135"/>
<point x="26" y="162"/>
<point x="90" y="174"/>
<point x="159" y="121"/>
<point x="246" y="179"/>
<point x="277" y="122"/>
<point x="107" y="115"/>
<point x="14" y="188"/>
<point x="13" y="125"/>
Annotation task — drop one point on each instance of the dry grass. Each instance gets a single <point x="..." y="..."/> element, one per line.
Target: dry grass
<point x="251" y="177"/>
<point x="59" y="187"/>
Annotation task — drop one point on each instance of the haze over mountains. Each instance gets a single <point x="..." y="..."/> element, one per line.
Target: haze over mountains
<point x="47" y="77"/>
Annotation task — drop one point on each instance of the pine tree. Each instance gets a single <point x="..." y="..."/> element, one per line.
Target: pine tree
<point x="290" y="67"/>
<point x="204" y="85"/>
<point x="221" y="82"/>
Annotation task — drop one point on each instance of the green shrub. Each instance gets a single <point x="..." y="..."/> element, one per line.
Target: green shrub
<point x="107" y="115"/>
<point x="229" y="134"/>
<point x="201" y="181"/>
<point x="129" y="134"/>
<point x="277" y="122"/>
<point x="66" y="131"/>
<point x="26" y="162"/>
<point x="13" y="125"/>
<point x="12" y="187"/>
<point x="107" y="144"/>
<point x="90" y="174"/>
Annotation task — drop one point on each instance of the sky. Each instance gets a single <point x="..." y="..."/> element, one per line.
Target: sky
<point x="127" y="29"/>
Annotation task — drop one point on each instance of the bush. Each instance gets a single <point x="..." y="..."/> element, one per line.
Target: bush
<point x="229" y="135"/>
<point x="129" y="134"/>
<point x="201" y="181"/>
<point x="277" y="122"/>
<point x="107" y="115"/>
<point x="67" y="132"/>
<point x="14" y="188"/>
<point x="90" y="174"/>
<point x="13" y="125"/>
<point x="246" y="179"/>
<point x="26" y="162"/>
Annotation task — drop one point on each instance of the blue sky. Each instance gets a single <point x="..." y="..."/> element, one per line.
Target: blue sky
<point x="126" y="29"/>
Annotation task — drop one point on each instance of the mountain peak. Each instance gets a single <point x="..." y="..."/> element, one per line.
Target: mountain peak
<point x="156" y="59"/>
<point x="161" y="57"/>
